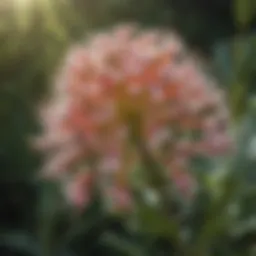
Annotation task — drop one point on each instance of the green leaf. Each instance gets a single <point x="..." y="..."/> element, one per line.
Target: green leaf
<point x="123" y="246"/>
<point x="244" y="11"/>
<point x="244" y="227"/>
<point x="153" y="221"/>
<point x="217" y="218"/>
<point x="20" y="242"/>
<point x="92" y="217"/>
<point x="49" y="209"/>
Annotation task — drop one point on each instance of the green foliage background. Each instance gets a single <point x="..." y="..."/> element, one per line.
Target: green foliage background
<point x="32" y="43"/>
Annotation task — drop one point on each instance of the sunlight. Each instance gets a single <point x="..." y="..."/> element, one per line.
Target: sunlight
<point x="24" y="10"/>
<point x="23" y="4"/>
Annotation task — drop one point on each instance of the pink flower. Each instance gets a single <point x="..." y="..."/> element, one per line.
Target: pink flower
<point x="123" y="85"/>
<point x="121" y="198"/>
<point x="78" y="189"/>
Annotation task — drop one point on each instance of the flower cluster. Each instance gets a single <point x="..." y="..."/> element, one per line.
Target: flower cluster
<point x="123" y="88"/>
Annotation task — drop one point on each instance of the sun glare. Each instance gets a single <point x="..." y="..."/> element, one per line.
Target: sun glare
<point x="24" y="9"/>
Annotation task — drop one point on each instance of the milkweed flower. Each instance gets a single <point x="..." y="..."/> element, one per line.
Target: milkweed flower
<point x="123" y="86"/>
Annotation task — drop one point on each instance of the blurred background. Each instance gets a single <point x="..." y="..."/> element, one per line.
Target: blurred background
<point x="34" y="36"/>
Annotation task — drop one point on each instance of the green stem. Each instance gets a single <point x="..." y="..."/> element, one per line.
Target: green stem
<point x="157" y="180"/>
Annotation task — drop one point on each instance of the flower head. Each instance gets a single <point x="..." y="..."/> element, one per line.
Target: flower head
<point x="123" y="86"/>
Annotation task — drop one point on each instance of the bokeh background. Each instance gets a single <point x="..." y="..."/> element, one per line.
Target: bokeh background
<point x="34" y="36"/>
